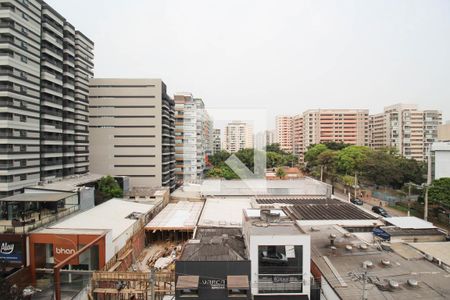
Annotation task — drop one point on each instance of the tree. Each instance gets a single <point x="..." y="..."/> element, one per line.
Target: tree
<point x="312" y="154"/>
<point x="219" y="157"/>
<point x="275" y="148"/>
<point x="109" y="187"/>
<point x="380" y="168"/>
<point x="222" y="171"/>
<point x="281" y="173"/>
<point x="439" y="191"/>
<point x="336" y="145"/>
<point x="351" y="159"/>
<point x="327" y="161"/>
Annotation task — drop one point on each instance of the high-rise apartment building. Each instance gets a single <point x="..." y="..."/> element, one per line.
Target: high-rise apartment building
<point x="405" y="128"/>
<point x="193" y="136"/>
<point x="349" y="126"/>
<point x="132" y="131"/>
<point x="45" y="65"/>
<point x="443" y="132"/>
<point x="217" y="140"/>
<point x="297" y="137"/>
<point x="284" y="133"/>
<point x="264" y="138"/>
<point x="238" y="135"/>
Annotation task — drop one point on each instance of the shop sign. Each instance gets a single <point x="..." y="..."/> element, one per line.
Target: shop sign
<point x="214" y="284"/>
<point x="63" y="247"/>
<point x="11" y="252"/>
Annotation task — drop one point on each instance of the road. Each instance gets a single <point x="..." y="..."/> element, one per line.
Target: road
<point x="368" y="207"/>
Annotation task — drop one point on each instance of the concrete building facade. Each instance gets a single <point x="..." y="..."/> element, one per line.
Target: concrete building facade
<point x="405" y="128"/>
<point x="45" y="66"/>
<point x="193" y="136"/>
<point x="284" y="133"/>
<point x="443" y="132"/>
<point x="297" y="137"/>
<point x="349" y="126"/>
<point x="131" y="131"/>
<point x="217" y="140"/>
<point x="238" y="135"/>
<point x="440" y="160"/>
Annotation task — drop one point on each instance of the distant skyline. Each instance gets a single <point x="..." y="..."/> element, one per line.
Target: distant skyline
<point x="285" y="57"/>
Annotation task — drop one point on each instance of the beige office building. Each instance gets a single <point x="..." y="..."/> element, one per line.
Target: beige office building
<point x="131" y="131"/>
<point x="284" y="133"/>
<point x="349" y="126"/>
<point x="403" y="127"/>
<point x="238" y="135"/>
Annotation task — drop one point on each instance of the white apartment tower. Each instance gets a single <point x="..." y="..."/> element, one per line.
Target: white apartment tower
<point x="238" y="135"/>
<point x="45" y="65"/>
<point x="403" y="127"/>
<point x="193" y="136"/>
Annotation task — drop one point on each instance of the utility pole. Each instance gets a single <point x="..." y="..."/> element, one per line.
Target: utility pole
<point x="364" y="295"/>
<point x="427" y="186"/>
<point x="356" y="184"/>
<point x="321" y="173"/>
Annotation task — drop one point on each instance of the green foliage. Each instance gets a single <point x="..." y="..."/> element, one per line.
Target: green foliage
<point x="219" y="157"/>
<point x="379" y="167"/>
<point x="280" y="173"/>
<point x="222" y="171"/>
<point x="312" y="154"/>
<point x="439" y="191"/>
<point x="109" y="187"/>
<point x="275" y="148"/>
<point x="351" y="159"/>
<point x="335" y="145"/>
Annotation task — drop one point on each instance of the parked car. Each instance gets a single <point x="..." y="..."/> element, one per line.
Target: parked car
<point x="275" y="258"/>
<point x="379" y="210"/>
<point x="356" y="201"/>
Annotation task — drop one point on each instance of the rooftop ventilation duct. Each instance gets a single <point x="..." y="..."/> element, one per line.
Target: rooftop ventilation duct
<point x="412" y="283"/>
<point x="347" y="234"/>
<point x="394" y="284"/>
<point x="386" y="262"/>
<point x="269" y="217"/>
<point x="363" y="246"/>
<point x="348" y="247"/>
<point x="367" y="264"/>
<point x="332" y="238"/>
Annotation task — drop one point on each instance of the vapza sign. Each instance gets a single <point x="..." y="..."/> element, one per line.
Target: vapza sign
<point x="213" y="284"/>
<point x="11" y="252"/>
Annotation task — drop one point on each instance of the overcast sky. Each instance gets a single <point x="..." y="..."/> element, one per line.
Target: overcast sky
<point x="283" y="56"/>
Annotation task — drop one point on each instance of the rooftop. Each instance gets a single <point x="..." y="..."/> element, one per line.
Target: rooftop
<point x="343" y="268"/>
<point x="70" y="184"/>
<point x="253" y="187"/>
<point x="215" y="244"/>
<point x="282" y="226"/>
<point x="293" y="200"/>
<point x="177" y="216"/>
<point x="438" y="250"/>
<point x="224" y="212"/>
<point x="409" y="223"/>
<point x="114" y="215"/>
<point x="37" y="197"/>
<point x="338" y="210"/>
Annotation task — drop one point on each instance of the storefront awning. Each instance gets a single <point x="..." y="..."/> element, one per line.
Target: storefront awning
<point x="237" y="282"/>
<point x="187" y="282"/>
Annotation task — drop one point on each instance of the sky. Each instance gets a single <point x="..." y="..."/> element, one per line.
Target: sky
<point x="281" y="56"/>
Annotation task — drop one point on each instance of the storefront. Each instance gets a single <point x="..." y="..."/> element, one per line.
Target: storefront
<point x="13" y="250"/>
<point x="52" y="246"/>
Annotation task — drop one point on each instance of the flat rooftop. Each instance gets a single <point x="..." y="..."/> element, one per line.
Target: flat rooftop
<point x="438" y="250"/>
<point x="253" y="187"/>
<point x="182" y="215"/>
<point x="37" y="197"/>
<point x="114" y="215"/>
<point x="327" y="211"/>
<point x="224" y="212"/>
<point x="215" y="244"/>
<point x="343" y="268"/>
<point x="70" y="184"/>
<point x="409" y="223"/>
<point x="294" y="200"/>
<point x="285" y="226"/>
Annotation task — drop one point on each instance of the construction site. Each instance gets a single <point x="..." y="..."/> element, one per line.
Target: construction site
<point x="145" y="267"/>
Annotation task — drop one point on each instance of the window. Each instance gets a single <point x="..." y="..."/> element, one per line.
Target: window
<point x="25" y="17"/>
<point x="24" y="59"/>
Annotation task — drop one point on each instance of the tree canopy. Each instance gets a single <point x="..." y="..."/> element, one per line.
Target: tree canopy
<point x="109" y="187"/>
<point x="439" y="191"/>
